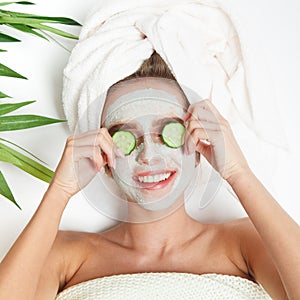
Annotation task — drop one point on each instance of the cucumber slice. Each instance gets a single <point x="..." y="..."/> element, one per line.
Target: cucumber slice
<point x="125" y="140"/>
<point x="172" y="134"/>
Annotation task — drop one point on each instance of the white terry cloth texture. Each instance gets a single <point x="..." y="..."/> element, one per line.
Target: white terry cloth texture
<point x="166" y="285"/>
<point x="203" y="42"/>
<point x="209" y="50"/>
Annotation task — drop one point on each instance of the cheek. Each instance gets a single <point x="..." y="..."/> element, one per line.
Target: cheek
<point x="172" y="157"/>
<point x="125" y="166"/>
<point x="168" y="153"/>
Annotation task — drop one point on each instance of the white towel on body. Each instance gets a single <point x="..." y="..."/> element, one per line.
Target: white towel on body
<point x="166" y="285"/>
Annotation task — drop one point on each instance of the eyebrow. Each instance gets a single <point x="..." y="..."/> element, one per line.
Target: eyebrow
<point x="133" y="125"/>
<point x="167" y="119"/>
<point x="122" y="125"/>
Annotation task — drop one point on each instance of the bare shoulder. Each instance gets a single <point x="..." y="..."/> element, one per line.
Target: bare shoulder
<point x="257" y="258"/>
<point x="245" y="239"/>
<point x="75" y="248"/>
<point x="240" y="230"/>
<point x="229" y="234"/>
<point x="69" y="251"/>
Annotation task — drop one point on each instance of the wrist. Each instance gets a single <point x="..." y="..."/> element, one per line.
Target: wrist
<point x="57" y="194"/>
<point x="242" y="173"/>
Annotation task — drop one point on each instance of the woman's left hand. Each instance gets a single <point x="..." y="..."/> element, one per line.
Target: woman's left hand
<point x="205" y="124"/>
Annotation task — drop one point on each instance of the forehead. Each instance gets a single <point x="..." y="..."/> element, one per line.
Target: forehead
<point x="143" y="105"/>
<point x="137" y="90"/>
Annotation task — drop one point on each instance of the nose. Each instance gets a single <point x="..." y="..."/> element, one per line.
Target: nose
<point x="148" y="155"/>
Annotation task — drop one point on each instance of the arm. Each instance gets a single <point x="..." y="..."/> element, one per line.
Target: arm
<point x="278" y="235"/>
<point x="35" y="250"/>
<point x="278" y="242"/>
<point x="21" y="268"/>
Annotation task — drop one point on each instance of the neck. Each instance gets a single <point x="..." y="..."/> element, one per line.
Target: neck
<point x="167" y="229"/>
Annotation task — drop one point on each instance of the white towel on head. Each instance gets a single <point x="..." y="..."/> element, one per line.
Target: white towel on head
<point x="211" y="50"/>
<point x="205" y="44"/>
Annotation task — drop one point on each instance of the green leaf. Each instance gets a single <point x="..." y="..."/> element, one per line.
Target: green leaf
<point x="35" y="23"/>
<point x="27" y="29"/>
<point x="4" y="38"/>
<point x="25" y="3"/>
<point x="12" y="19"/>
<point x="9" y="107"/>
<point x="2" y="95"/>
<point x="16" y="2"/>
<point x="26" y="151"/>
<point x="1" y="50"/>
<point x="25" y="163"/>
<point x="55" y="41"/>
<point x="5" y="71"/>
<point x="44" y="19"/>
<point x="55" y="31"/>
<point x="5" y="190"/>
<point x="8" y="123"/>
<point x="59" y="20"/>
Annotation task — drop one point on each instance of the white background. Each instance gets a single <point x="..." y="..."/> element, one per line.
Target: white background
<point x="277" y="22"/>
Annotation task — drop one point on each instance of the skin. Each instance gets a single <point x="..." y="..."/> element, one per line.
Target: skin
<point x="44" y="260"/>
<point x="151" y="154"/>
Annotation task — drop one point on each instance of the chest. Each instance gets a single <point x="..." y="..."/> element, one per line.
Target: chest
<point x="199" y="257"/>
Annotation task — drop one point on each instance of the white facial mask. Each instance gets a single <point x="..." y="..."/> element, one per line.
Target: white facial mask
<point x="153" y="175"/>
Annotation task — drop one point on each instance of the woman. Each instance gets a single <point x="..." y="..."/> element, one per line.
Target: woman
<point x="262" y="248"/>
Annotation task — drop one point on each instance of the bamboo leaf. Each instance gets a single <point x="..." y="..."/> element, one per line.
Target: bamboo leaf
<point x="27" y="29"/>
<point x="5" y="71"/>
<point x="4" y="38"/>
<point x="25" y="163"/>
<point x="55" y="41"/>
<point x="5" y="190"/>
<point x="1" y="50"/>
<point x="21" y="148"/>
<point x="54" y="30"/>
<point x="44" y="19"/>
<point x="8" y="123"/>
<point x="35" y="23"/>
<point x="2" y="95"/>
<point x="25" y="3"/>
<point x="59" y="20"/>
<point x="16" y="2"/>
<point x="9" y="107"/>
<point x="10" y="17"/>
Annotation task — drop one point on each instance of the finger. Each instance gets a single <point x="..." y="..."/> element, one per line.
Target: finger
<point x="202" y="110"/>
<point x="100" y="138"/>
<point x="206" y="126"/>
<point x="93" y="132"/>
<point x="89" y="152"/>
<point x="198" y="134"/>
<point x="107" y="148"/>
<point x="193" y="124"/>
<point x="205" y="137"/>
<point x="208" y="105"/>
<point x="89" y="137"/>
<point x="118" y="152"/>
<point x="186" y="117"/>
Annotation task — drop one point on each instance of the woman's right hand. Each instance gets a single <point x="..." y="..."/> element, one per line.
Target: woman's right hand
<point x="84" y="155"/>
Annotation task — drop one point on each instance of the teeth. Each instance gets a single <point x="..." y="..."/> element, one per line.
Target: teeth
<point x="155" y="178"/>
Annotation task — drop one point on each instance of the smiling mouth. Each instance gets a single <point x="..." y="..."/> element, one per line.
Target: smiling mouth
<point x="154" y="180"/>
